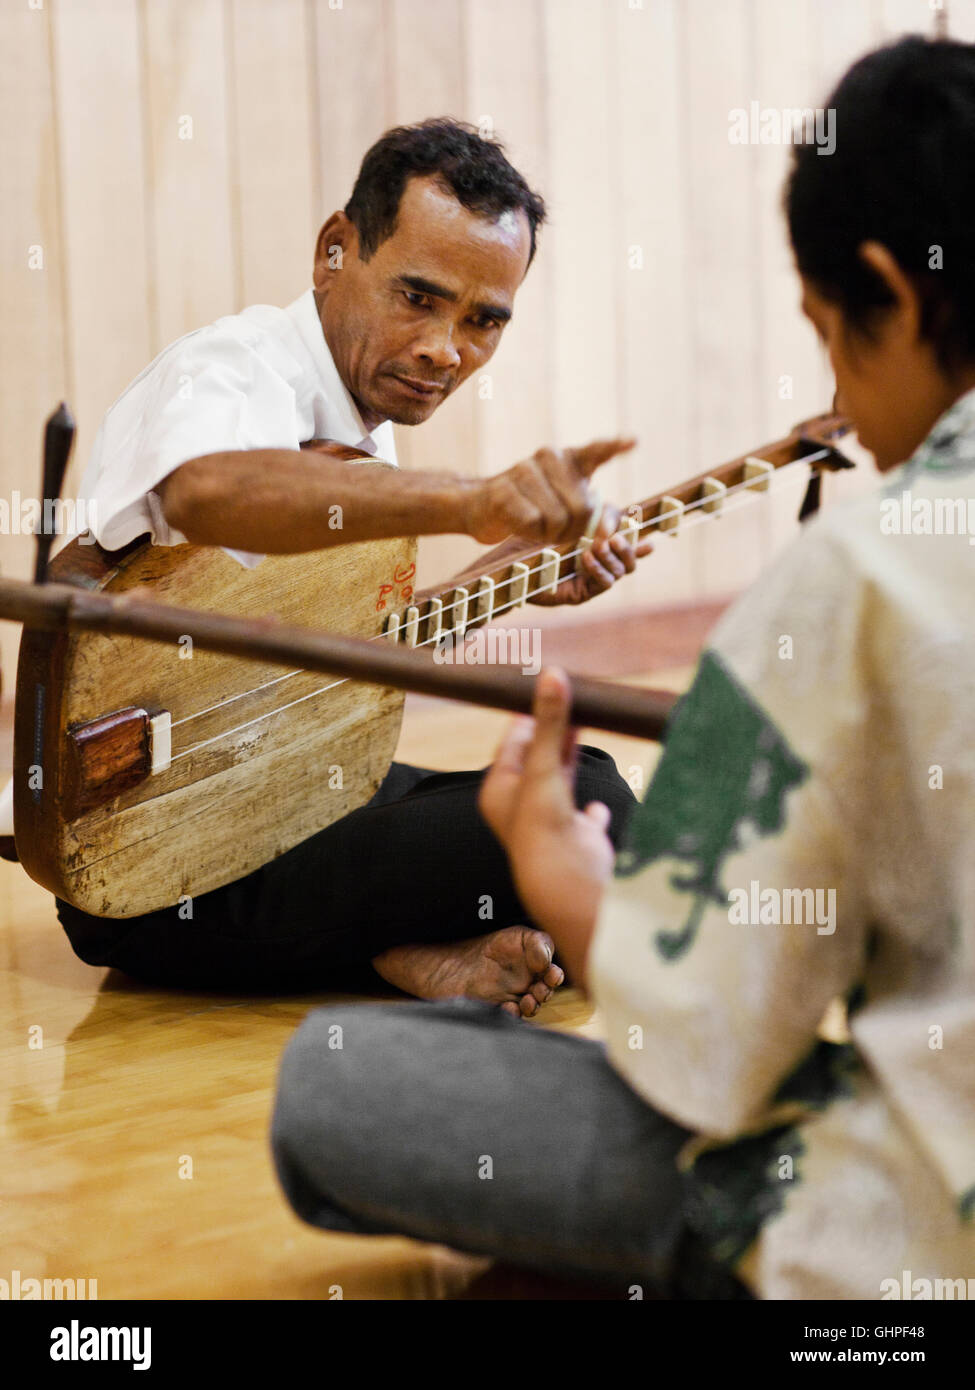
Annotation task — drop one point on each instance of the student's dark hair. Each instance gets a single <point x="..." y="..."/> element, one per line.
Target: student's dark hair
<point x="903" y="174"/>
<point x="473" y="168"/>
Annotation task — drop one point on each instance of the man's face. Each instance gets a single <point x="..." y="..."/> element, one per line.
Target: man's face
<point x="406" y="327"/>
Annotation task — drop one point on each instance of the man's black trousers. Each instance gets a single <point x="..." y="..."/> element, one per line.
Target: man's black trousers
<point x="417" y="864"/>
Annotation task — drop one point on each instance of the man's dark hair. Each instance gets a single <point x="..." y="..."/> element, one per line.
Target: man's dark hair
<point x="903" y="174"/>
<point x="474" y="169"/>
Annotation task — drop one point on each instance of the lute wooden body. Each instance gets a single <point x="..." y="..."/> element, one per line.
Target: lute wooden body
<point x="247" y="764"/>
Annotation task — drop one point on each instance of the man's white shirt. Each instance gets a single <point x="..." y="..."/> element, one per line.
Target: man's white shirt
<point x="260" y="379"/>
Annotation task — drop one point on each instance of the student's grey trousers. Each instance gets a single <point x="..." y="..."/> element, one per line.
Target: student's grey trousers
<point x="455" y="1123"/>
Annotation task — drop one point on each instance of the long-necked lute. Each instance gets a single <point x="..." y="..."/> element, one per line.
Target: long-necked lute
<point x="145" y="773"/>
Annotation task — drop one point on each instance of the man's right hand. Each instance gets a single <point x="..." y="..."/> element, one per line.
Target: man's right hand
<point x="546" y="498"/>
<point x="284" y="501"/>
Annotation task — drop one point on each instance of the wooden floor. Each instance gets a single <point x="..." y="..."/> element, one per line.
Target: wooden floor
<point x="129" y="1082"/>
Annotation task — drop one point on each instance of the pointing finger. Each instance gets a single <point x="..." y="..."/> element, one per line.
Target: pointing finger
<point x="590" y="456"/>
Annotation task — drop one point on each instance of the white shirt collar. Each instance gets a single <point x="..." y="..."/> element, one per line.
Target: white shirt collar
<point x="304" y="314"/>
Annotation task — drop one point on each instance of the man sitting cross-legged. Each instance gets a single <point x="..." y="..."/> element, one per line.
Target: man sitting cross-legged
<point x="414" y="284"/>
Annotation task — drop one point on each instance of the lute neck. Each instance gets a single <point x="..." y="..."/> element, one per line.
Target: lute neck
<point x="491" y="593"/>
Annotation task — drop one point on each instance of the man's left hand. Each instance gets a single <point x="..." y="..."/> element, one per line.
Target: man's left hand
<point x="599" y="566"/>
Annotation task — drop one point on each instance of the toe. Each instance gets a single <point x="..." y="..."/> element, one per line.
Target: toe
<point x="512" y="1009"/>
<point x="528" y="1005"/>
<point x="539" y="950"/>
<point x="554" y="976"/>
<point x="541" y="991"/>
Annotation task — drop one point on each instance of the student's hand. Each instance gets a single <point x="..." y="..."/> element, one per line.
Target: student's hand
<point x="560" y="857"/>
<point x="545" y="499"/>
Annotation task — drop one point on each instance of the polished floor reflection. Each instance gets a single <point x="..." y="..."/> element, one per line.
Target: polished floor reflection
<point x="133" y="1127"/>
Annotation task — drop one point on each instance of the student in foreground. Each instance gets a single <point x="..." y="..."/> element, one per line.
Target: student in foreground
<point x="807" y="837"/>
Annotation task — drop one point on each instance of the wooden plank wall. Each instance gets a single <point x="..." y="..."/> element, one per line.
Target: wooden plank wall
<point x="173" y="161"/>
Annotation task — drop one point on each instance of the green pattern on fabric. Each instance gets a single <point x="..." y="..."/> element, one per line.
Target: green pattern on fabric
<point x="950" y="446"/>
<point x="966" y="1204"/>
<point x="823" y="1075"/>
<point x="733" y="1191"/>
<point x="724" y="763"/>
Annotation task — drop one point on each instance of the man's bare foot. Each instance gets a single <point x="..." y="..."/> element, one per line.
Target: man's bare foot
<point x="512" y="967"/>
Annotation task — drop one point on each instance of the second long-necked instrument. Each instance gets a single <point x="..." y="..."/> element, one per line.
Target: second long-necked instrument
<point x="146" y="773"/>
